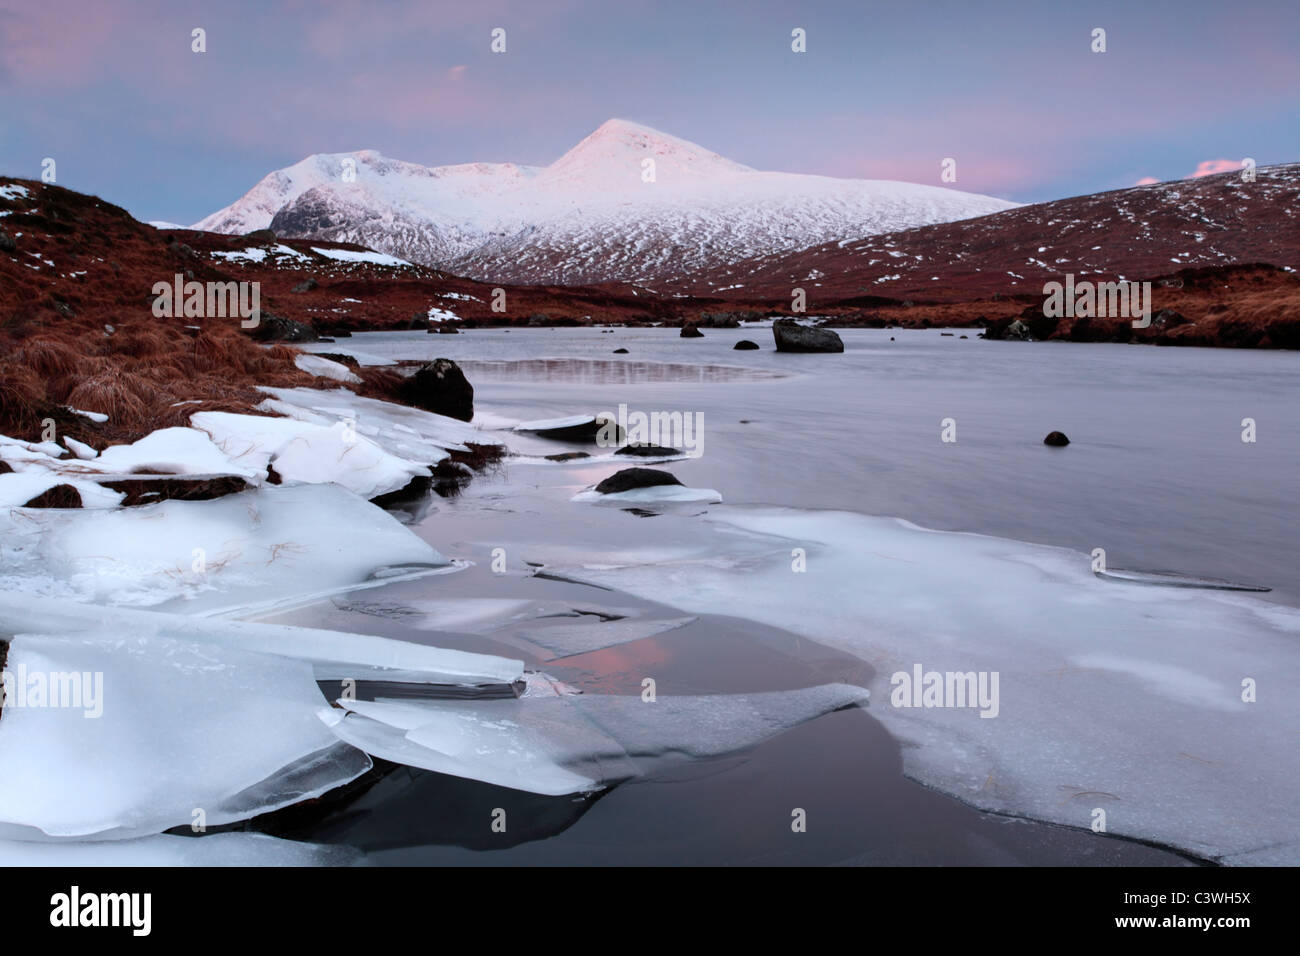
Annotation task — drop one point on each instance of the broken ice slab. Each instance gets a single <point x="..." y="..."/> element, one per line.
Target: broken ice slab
<point x="575" y="743"/>
<point x="334" y="655"/>
<point x="566" y="640"/>
<point x="134" y="735"/>
<point x="215" y="849"/>
<point x="1173" y="579"/>
<point x="302" y="451"/>
<point x="269" y="546"/>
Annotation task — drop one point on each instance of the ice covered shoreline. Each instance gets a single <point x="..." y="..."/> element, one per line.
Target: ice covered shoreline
<point x="145" y="602"/>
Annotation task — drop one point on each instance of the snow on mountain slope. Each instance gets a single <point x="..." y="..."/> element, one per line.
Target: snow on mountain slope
<point x="596" y="214"/>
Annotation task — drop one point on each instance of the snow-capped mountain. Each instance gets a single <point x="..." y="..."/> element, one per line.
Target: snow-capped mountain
<point x="627" y="203"/>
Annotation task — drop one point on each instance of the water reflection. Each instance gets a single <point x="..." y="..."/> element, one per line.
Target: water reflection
<point x="607" y="371"/>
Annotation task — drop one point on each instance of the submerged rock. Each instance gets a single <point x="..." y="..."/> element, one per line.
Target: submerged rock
<point x="1056" y="439"/>
<point x="440" y="387"/>
<point x="744" y="345"/>
<point x="790" y="336"/>
<point x="567" y="456"/>
<point x="630" y="478"/>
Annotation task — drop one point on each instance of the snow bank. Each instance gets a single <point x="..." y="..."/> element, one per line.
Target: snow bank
<point x="373" y="258"/>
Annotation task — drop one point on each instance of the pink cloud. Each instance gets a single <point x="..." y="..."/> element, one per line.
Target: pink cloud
<point x="1206" y="167"/>
<point x="1211" y="166"/>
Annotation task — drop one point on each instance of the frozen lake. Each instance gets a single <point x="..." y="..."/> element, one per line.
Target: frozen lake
<point x="1157" y="475"/>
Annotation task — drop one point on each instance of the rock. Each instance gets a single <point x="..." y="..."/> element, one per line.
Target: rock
<point x="443" y="330"/>
<point x="5" y="467"/>
<point x="1017" y="331"/>
<point x="1056" y="440"/>
<point x="306" y="286"/>
<point x="261" y="235"/>
<point x="964" y="336"/>
<point x="792" y="337"/>
<point x="440" y="387"/>
<point x="147" y="489"/>
<point x="1168" y="318"/>
<point x="620" y="351"/>
<point x="689" y="331"/>
<point x="647" y="451"/>
<point x="567" y="456"/>
<point x="630" y="478"/>
<point x="275" y="328"/>
<point x="7" y="243"/>
<point x="744" y="345"/>
<point x="60" y="496"/>
<point x="584" y="431"/>
<point x="349" y="360"/>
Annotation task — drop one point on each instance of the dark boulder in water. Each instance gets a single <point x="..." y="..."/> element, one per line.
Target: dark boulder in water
<point x="792" y="337"/>
<point x="440" y="387"/>
<point x="620" y="351"/>
<point x="744" y="345"/>
<point x="586" y="430"/>
<point x="567" y="456"/>
<point x="1056" y="440"/>
<point x="689" y="331"/>
<point x="647" y="451"/>
<point x="630" y="478"/>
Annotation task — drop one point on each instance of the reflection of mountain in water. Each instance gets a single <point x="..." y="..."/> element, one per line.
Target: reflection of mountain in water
<point x="607" y="372"/>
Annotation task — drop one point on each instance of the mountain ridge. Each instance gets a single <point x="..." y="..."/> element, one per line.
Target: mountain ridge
<point x="599" y="213"/>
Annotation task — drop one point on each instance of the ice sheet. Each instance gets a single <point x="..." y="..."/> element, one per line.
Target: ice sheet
<point x="213" y="849"/>
<point x="334" y="655"/>
<point x="325" y="368"/>
<point x="264" y="546"/>
<point x="1124" y="698"/>
<point x="181" y="727"/>
<point x="302" y="451"/>
<point x="656" y="494"/>
<point x="575" y="742"/>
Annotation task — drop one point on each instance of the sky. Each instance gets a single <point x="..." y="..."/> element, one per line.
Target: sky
<point x="887" y="89"/>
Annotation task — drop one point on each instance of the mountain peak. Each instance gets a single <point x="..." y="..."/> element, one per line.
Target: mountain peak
<point x="613" y="157"/>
